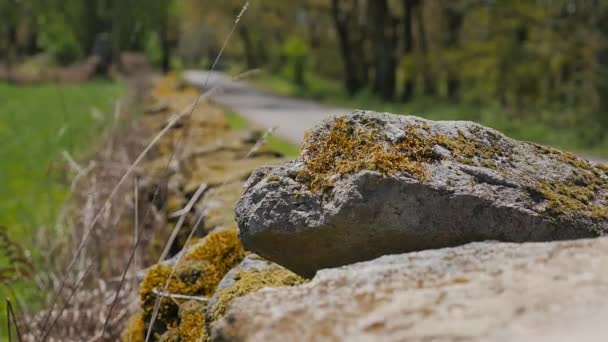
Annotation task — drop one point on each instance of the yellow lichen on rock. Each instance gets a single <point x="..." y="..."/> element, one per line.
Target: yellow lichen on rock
<point x="221" y="248"/>
<point x="196" y="274"/>
<point x="568" y="199"/>
<point x="348" y="148"/>
<point x="192" y="322"/>
<point x="190" y="277"/>
<point x="469" y="149"/>
<point x="135" y="330"/>
<point x="253" y="280"/>
<point x="171" y="335"/>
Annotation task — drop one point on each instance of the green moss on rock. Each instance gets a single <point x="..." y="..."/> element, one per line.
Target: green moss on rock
<point x="348" y="148"/>
<point x="191" y="278"/>
<point x="471" y="150"/>
<point x="197" y="274"/>
<point x="171" y="335"/>
<point x="250" y="281"/>
<point x="192" y="322"/>
<point x="571" y="200"/>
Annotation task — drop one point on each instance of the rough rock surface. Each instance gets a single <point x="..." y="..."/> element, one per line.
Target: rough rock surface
<point x="483" y="291"/>
<point x="371" y="184"/>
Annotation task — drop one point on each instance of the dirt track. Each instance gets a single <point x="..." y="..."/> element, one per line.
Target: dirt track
<point x="291" y="116"/>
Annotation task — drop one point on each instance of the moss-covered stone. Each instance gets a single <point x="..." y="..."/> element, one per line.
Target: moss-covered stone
<point x="369" y="184"/>
<point x="253" y="280"/>
<point x="348" y="147"/>
<point x="211" y="153"/>
<point x="471" y="149"/>
<point x="191" y="278"/>
<point x="171" y="335"/>
<point x="197" y="274"/>
<point x="572" y="200"/>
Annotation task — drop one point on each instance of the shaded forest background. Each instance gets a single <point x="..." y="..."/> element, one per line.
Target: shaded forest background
<point x="534" y="69"/>
<point x="540" y="61"/>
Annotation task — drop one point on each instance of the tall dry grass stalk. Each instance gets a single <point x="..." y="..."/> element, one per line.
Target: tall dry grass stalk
<point x="11" y="320"/>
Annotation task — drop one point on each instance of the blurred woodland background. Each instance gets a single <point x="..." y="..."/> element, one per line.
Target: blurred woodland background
<point x="542" y="62"/>
<point x="534" y="69"/>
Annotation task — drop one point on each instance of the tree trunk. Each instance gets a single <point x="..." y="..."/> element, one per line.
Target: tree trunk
<point x="430" y="86"/>
<point x="342" y="22"/>
<point x="11" y="41"/>
<point x="250" y="57"/>
<point x="454" y="19"/>
<point x="408" y="45"/>
<point x="601" y="81"/>
<point x="92" y="25"/>
<point x="165" y="42"/>
<point x="384" y="48"/>
<point x="32" y="47"/>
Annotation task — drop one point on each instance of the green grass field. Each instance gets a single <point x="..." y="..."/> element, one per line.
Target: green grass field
<point x="561" y="129"/>
<point x="37" y="123"/>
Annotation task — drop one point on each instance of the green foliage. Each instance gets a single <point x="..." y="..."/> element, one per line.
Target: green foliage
<point x="70" y="29"/>
<point x="297" y="55"/>
<point x="60" y="42"/>
<point x="153" y="50"/>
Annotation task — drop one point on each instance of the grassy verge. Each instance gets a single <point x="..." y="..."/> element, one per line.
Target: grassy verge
<point x="566" y="131"/>
<point x="38" y="123"/>
<point x="237" y="122"/>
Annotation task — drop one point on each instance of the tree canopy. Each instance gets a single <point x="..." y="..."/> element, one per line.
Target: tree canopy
<point x="520" y="55"/>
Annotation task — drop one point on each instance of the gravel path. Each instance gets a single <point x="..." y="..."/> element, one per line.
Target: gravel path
<point x="292" y="117"/>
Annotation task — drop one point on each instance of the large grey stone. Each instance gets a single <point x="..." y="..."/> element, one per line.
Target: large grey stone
<point x="483" y="291"/>
<point x="432" y="185"/>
